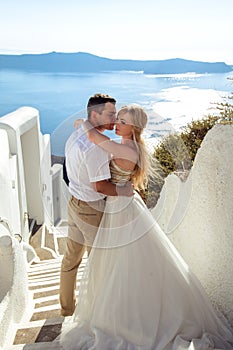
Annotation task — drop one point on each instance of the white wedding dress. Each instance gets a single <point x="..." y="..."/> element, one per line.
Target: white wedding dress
<point x="137" y="293"/>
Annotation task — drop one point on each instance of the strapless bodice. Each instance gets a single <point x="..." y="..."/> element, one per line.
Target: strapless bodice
<point x="118" y="175"/>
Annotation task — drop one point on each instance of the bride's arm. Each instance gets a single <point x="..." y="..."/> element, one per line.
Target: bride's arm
<point x="118" y="150"/>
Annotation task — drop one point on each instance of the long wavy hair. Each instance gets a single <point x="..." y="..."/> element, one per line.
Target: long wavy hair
<point x="139" y="122"/>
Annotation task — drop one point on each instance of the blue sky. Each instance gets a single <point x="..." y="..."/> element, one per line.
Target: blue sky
<point x="132" y="29"/>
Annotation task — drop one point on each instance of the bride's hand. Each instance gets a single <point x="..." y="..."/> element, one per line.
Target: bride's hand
<point x="78" y="122"/>
<point x="127" y="190"/>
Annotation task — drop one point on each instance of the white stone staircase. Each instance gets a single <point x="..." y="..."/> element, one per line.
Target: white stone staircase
<point x="44" y="321"/>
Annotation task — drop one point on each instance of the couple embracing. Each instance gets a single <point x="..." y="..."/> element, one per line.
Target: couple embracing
<point x="136" y="292"/>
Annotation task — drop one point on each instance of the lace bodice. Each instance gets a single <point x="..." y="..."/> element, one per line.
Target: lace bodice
<point x="118" y="175"/>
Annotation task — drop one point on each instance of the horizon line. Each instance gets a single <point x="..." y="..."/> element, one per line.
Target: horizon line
<point x="21" y="53"/>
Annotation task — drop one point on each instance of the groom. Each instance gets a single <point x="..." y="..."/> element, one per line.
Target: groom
<point x="88" y="173"/>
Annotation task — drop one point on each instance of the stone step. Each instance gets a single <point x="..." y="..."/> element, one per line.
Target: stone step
<point x="50" y="243"/>
<point x="39" y="331"/>
<point x="45" y="244"/>
<point x="35" y="346"/>
<point x="45" y="314"/>
<point x="44" y="323"/>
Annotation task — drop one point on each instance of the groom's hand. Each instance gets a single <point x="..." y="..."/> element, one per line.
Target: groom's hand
<point x="126" y="190"/>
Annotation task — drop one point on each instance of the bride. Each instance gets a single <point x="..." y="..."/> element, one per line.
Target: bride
<point x="137" y="293"/>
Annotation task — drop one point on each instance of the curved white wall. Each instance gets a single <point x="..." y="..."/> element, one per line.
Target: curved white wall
<point x="26" y="152"/>
<point x="9" y="203"/>
<point x="14" y="295"/>
<point x="198" y="216"/>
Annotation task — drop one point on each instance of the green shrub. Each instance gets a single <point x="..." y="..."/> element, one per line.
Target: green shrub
<point x="194" y="132"/>
<point x="176" y="152"/>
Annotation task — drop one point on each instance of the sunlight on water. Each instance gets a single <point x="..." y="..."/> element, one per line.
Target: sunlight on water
<point x="182" y="104"/>
<point x="171" y="100"/>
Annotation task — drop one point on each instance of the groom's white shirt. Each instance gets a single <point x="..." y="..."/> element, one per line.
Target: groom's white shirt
<point x="85" y="163"/>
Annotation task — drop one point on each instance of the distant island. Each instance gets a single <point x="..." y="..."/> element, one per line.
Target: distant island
<point x="83" y="62"/>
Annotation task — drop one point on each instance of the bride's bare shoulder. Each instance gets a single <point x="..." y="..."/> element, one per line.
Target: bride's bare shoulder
<point x="129" y="159"/>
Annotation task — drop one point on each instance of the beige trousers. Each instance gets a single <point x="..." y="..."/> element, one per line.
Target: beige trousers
<point x="83" y="221"/>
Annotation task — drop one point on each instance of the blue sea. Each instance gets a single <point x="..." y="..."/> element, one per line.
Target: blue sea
<point x="171" y="100"/>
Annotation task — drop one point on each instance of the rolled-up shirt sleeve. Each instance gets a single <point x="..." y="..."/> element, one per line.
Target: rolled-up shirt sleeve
<point x="97" y="163"/>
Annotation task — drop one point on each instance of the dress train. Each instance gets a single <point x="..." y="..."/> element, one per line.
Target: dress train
<point x="137" y="293"/>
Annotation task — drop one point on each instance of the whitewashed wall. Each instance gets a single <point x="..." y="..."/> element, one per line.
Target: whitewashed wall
<point x="9" y="202"/>
<point x="198" y="216"/>
<point x="26" y="191"/>
<point x="15" y="299"/>
<point x="26" y="152"/>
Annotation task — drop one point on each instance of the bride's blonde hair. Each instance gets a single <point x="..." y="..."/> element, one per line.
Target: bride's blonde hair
<point x="139" y="121"/>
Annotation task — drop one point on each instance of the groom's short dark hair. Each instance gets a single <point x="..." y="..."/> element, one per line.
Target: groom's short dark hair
<point x="97" y="103"/>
